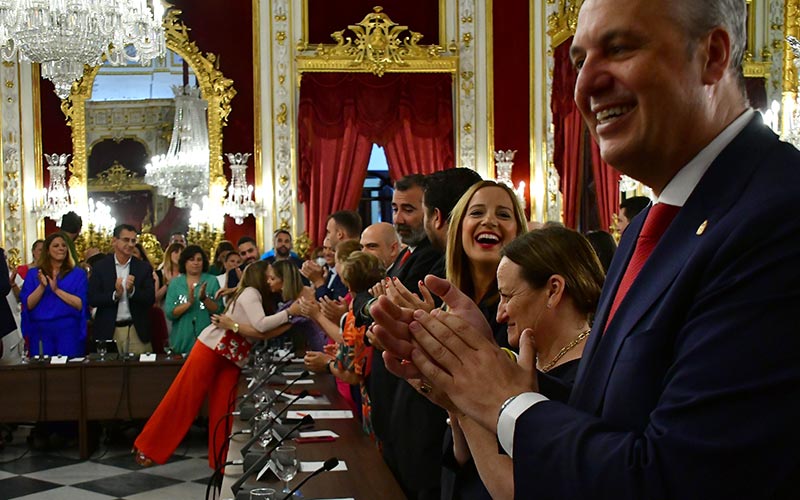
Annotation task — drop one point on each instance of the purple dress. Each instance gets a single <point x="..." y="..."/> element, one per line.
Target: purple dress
<point x="314" y="335"/>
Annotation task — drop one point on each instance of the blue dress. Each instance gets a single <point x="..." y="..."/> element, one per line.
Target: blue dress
<point x="55" y="325"/>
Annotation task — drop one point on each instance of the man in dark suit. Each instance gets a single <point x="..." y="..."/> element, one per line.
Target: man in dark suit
<point x="121" y="287"/>
<point x="689" y="386"/>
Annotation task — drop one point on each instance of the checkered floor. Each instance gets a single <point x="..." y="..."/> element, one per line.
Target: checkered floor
<point x="109" y="474"/>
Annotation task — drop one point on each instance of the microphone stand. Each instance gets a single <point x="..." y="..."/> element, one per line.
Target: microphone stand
<point x="261" y="462"/>
<point x="329" y="464"/>
<point x="258" y="434"/>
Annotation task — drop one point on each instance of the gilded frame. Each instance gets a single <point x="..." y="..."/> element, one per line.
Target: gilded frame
<point x="376" y="45"/>
<point x="217" y="90"/>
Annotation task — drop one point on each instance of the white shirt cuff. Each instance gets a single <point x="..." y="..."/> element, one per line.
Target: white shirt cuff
<point x="507" y="422"/>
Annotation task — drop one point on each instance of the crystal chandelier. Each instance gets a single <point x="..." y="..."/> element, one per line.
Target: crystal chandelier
<point x="54" y="201"/>
<point x="240" y="203"/>
<point x="182" y="173"/>
<point x="63" y="35"/>
<point x="504" y="164"/>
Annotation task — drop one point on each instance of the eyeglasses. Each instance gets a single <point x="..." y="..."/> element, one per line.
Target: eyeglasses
<point x="131" y="241"/>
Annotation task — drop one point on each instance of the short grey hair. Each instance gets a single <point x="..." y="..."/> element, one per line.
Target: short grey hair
<point x="699" y="17"/>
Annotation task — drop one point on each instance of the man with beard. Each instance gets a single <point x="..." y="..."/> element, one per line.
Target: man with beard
<point x="410" y="428"/>
<point x="282" y="249"/>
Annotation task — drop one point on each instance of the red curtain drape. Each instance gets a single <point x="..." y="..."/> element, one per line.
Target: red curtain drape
<point x="568" y="148"/>
<point x="422" y="142"/>
<point x="341" y="115"/>
<point x="606" y="181"/>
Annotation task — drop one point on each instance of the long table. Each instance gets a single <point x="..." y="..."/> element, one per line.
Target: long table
<point x="366" y="477"/>
<point x="84" y="391"/>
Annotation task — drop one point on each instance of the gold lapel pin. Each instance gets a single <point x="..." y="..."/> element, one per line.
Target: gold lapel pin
<point x="702" y="228"/>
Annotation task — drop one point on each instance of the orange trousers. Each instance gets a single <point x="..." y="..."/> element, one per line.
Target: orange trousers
<point x="204" y="373"/>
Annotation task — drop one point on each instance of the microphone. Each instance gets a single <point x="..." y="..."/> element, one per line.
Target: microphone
<point x="257" y="385"/>
<point x="329" y="464"/>
<point x="258" y="434"/>
<point x="244" y="413"/>
<point x="262" y="461"/>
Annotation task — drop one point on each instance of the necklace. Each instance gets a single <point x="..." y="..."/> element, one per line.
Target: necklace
<point x="577" y="340"/>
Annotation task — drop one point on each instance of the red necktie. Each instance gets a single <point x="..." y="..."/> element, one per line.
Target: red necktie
<point x="657" y="222"/>
<point x="404" y="258"/>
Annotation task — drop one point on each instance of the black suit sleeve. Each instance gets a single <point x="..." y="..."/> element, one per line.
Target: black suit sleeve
<point x="145" y="293"/>
<point x="101" y="285"/>
<point x="5" y="284"/>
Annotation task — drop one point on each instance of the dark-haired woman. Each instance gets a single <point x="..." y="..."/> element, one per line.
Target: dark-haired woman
<point x="190" y="299"/>
<point x="53" y="299"/>
<point x="550" y="281"/>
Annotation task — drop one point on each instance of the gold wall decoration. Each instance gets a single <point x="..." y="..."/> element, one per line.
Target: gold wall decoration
<point x="215" y="88"/>
<point x="302" y="245"/>
<point x="116" y="178"/>
<point x="206" y="237"/>
<point x="791" y="27"/>
<point x="377" y="45"/>
<point x="561" y="23"/>
<point x="11" y="167"/>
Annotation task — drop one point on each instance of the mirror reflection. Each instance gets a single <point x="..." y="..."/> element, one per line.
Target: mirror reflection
<point x="129" y="119"/>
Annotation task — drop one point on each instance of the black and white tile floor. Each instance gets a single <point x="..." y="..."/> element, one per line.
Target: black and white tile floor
<point x="110" y="474"/>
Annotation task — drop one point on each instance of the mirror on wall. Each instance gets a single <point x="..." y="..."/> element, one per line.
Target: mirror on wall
<point x="129" y="119"/>
<point x="122" y="116"/>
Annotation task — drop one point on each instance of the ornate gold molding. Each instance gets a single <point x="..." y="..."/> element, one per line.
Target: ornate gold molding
<point x="791" y="27"/>
<point x="562" y="22"/>
<point x="378" y="45"/>
<point x="217" y="90"/>
<point x="117" y="178"/>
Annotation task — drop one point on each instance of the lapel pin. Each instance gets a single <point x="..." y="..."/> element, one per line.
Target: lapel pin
<point x="702" y="228"/>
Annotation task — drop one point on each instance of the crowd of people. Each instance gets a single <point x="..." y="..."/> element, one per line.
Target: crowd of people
<point x="458" y="327"/>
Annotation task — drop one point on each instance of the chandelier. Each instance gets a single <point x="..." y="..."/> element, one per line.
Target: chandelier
<point x="240" y="203"/>
<point x="54" y="201"/>
<point x="64" y="35"/>
<point x="182" y="173"/>
<point x="504" y="163"/>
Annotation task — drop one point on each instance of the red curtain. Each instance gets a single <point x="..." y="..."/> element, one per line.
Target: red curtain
<point x="568" y="148"/>
<point x="606" y="181"/>
<point x="568" y="132"/>
<point x="422" y="142"/>
<point x="341" y="115"/>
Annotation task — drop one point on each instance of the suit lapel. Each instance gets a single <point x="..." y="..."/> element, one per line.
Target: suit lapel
<point x="715" y="193"/>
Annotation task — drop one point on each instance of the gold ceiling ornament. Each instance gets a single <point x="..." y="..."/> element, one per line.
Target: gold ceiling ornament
<point x="562" y="22"/>
<point x="379" y="45"/>
<point x="217" y="90"/>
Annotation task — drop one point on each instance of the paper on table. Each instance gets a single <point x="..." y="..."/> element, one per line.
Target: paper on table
<point x="312" y="466"/>
<point x="308" y="400"/>
<point x="269" y="467"/>
<point x="147" y="357"/>
<point x="303" y="381"/>
<point x="58" y="360"/>
<point x="314" y="434"/>
<point x="320" y="414"/>
<point x="298" y="360"/>
<point x="288" y="374"/>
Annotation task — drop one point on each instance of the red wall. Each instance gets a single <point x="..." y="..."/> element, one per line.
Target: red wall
<point x="512" y="84"/>
<point x="327" y="16"/>
<point x="229" y="36"/>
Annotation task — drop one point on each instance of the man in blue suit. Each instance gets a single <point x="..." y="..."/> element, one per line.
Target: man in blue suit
<point x="689" y="386"/>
